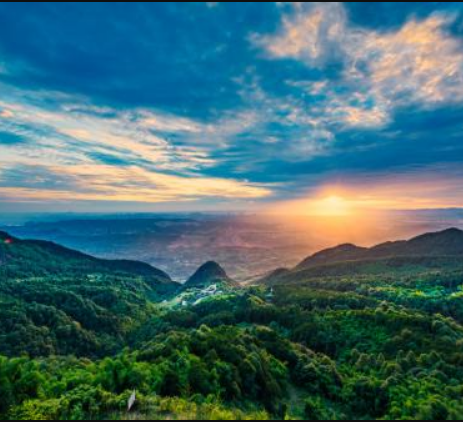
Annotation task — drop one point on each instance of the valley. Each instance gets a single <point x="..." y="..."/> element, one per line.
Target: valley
<point x="348" y="333"/>
<point x="247" y="246"/>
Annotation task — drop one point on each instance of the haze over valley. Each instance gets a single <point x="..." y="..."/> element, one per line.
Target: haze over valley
<point x="247" y="246"/>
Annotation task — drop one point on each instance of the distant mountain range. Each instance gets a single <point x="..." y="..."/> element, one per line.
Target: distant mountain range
<point x="177" y="244"/>
<point x="40" y="258"/>
<point x="428" y="250"/>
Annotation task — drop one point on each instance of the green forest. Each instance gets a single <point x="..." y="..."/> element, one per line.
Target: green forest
<point x="371" y="338"/>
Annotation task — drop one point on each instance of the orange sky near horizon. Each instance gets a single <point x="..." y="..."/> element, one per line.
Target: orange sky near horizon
<point x="368" y="197"/>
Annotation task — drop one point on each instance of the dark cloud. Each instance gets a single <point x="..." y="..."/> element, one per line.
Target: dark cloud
<point x="181" y="57"/>
<point x="7" y="138"/>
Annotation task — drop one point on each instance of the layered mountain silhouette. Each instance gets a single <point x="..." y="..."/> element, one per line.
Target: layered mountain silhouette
<point x="428" y="250"/>
<point x="445" y="243"/>
<point x="208" y="274"/>
<point x="40" y="258"/>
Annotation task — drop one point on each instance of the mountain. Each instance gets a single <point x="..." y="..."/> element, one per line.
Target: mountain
<point x="276" y="275"/>
<point x="431" y="250"/>
<point x="40" y="258"/>
<point x="446" y="243"/>
<point x="344" y="252"/>
<point x="55" y="300"/>
<point x="207" y="274"/>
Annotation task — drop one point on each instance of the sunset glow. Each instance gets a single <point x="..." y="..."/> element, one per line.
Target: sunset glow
<point x="319" y="114"/>
<point x="329" y="206"/>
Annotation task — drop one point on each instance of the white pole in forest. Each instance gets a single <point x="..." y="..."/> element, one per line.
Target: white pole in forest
<point x="132" y="400"/>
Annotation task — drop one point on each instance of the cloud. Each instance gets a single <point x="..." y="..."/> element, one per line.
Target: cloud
<point x="71" y="124"/>
<point x="81" y="152"/>
<point x="311" y="33"/>
<point x="97" y="182"/>
<point x="312" y="93"/>
<point x="167" y="123"/>
<point x="6" y="114"/>
<point x="420" y="63"/>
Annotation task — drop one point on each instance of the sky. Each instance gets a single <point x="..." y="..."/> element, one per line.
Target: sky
<point x="279" y="106"/>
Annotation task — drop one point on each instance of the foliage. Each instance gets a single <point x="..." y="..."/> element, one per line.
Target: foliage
<point x="78" y="338"/>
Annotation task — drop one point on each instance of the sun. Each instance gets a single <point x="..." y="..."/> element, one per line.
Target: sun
<point x="322" y="204"/>
<point x="331" y="206"/>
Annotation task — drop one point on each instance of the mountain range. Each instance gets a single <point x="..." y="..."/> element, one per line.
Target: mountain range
<point x="428" y="250"/>
<point x="41" y="257"/>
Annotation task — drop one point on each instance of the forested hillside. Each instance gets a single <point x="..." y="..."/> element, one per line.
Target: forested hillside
<point x="383" y="341"/>
<point x="431" y="251"/>
<point x="58" y="301"/>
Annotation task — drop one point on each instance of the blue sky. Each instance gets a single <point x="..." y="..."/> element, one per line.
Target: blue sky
<point x="230" y="106"/>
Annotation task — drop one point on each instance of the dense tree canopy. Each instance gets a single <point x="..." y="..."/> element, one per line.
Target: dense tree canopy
<point x="377" y="345"/>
